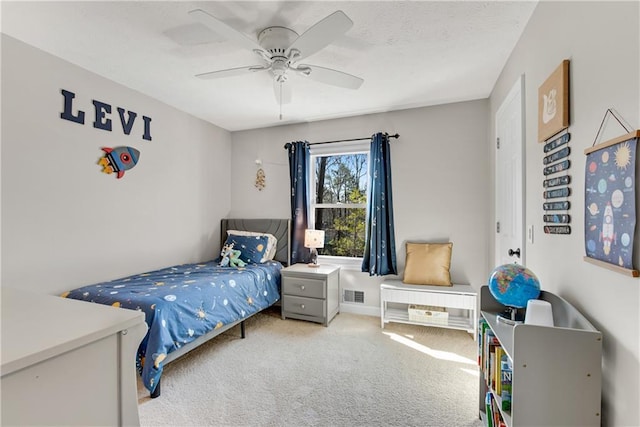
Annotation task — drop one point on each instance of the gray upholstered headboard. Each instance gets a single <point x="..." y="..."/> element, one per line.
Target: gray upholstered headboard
<point x="280" y="228"/>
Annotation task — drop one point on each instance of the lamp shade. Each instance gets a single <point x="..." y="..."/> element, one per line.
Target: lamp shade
<point x="314" y="238"/>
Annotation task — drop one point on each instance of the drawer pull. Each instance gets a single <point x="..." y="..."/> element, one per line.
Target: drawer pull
<point x="302" y="306"/>
<point x="302" y="287"/>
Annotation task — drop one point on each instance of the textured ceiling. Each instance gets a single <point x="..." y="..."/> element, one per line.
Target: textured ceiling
<point x="409" y="53"/>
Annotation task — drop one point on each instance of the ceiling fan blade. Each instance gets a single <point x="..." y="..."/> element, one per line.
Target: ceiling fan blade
<point x="321" y="34"/>
<point x="282" y="90"/>
<point x="231" y="72"/>
<point x="333" y="77"/>
<point x="224" y="29"/>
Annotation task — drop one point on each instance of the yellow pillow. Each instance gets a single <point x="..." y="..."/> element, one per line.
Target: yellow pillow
<point x="428" y="264"/>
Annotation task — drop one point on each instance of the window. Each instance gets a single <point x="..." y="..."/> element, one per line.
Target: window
<point x="339" y="179"/>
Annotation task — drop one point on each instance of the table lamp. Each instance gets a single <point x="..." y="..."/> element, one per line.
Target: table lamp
<point x="313" y="239"/>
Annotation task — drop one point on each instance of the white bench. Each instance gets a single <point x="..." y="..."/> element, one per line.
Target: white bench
<point x="395" y="298"/>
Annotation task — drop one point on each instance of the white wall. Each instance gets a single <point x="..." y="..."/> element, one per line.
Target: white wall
<point x="66" y="224"/>
<point x="602" y="41"/>
<point x="440" y="181"/>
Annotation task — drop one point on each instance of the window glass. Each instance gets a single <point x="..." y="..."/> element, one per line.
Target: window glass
<point x="339" y="201"/>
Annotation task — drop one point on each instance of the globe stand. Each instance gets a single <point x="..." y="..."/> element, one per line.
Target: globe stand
<point x="510" y="316"/>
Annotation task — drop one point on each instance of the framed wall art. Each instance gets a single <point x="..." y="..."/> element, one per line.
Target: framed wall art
<point x="610" y="203"/>
<point x="553" y="103"/>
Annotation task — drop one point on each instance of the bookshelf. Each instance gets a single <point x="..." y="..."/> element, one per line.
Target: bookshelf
<point x="556" y="371"/>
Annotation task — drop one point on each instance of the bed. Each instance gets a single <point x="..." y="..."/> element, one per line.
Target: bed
<point x="187" y="305"/>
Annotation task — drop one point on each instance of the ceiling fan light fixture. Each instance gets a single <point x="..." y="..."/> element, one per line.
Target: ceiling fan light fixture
<point x="279" y="68"/>
<point x="281" y="48"/>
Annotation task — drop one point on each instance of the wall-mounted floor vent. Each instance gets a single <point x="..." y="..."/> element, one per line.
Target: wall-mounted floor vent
<point x="353" y="296"/>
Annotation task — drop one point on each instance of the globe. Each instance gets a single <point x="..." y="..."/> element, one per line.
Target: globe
<point x="513" y="285"/>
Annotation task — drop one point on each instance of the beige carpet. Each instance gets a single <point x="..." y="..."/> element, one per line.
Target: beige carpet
<point x="295" y="373"/>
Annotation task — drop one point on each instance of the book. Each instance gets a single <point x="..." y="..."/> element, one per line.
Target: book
<point x="494" y="415"/>
<point x="506" y="378"/>
<point x="488" y="334"/>
<point x="497" y="415"/>
<point x="491" y="377"/>
<point x="489" y="343"/>
<point x="492" y="362"/>
<point x="482" y="326"/>
<point x="489" y="409"/>
<point x="498" y="371"/>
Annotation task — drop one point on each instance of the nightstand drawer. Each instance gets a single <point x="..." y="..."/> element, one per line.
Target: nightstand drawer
<point x="307" y="306"/>
<point x="312" y="288"/>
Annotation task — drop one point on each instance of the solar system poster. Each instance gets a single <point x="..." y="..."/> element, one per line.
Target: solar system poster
<point x="610" y="202"/>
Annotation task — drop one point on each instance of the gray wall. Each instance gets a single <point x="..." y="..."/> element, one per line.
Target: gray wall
<point x="66" y="224"/>
<point x="440" y="181"/>
<point x="602" y="41"/>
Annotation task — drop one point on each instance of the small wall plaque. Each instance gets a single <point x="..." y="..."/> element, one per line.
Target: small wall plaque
<point x="556" y="206"/>
<point x="557" y="218"/>
<point x="555" y="143"/>
<point x="557" y="229"/>
<point x="555" y="194"/>
<point x="563" y="165"/>
<point x="560" y="154"/>
<point x="554" y="182"/>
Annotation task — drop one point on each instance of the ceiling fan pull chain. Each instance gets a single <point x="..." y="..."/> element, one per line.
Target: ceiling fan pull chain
<point x="280" y="100"/>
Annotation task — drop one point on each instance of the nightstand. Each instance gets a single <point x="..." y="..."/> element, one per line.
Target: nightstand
<point x="311" y="293"/>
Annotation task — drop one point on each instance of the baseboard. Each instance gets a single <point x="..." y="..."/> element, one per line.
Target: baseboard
<point x="367" y="310"/>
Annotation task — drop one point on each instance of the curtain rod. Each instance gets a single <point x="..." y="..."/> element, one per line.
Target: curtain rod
<point x="346" y="140"/>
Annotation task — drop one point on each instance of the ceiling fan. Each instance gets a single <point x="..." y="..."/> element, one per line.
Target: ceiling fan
<point x="281" y="50"/>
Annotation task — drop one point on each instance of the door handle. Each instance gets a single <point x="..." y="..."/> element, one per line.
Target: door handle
<point x="516" y="252"/>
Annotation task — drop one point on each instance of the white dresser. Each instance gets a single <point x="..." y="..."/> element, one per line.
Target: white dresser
<point x="67" y="362"/>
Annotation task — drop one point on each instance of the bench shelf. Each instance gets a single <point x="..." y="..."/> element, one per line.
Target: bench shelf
<point x="459" y="300"/>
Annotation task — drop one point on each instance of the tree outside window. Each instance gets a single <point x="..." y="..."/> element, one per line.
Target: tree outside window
<point x="340" y="202"/>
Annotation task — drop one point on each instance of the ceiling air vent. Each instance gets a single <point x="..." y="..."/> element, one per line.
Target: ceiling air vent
<point x="353" y="296"/>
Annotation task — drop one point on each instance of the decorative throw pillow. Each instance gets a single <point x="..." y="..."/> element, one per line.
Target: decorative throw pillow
<point x="252" y="248"/>
<point x="428" y="264"/>
<point x="272" y="243"/>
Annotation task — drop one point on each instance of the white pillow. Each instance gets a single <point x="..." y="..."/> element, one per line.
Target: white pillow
<point x="272" y="242"/>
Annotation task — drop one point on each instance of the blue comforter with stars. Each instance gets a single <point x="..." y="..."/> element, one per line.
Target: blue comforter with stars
<point x="184" y="302"/>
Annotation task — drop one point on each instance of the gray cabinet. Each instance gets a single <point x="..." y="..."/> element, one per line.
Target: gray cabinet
<point x="311" y="293"/>
<point x="557" y="371"/>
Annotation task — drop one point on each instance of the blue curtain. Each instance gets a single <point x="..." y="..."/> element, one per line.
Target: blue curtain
<point x="299" y="159"/>
<point x="380" y="242"/>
